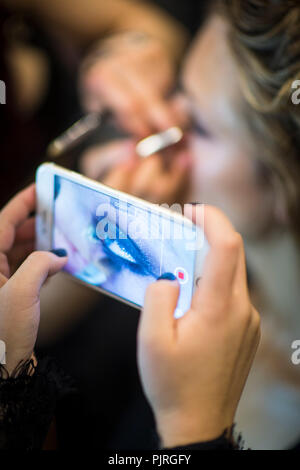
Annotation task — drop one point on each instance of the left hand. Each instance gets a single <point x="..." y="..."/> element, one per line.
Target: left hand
<point x="20" y="288"/>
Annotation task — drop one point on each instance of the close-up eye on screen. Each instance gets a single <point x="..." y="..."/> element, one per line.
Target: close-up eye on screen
<point x="120" y="247"/>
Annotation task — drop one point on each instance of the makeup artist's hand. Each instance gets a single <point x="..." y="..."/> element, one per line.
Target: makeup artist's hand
<point x="194" y="369"/>
<point x="19" y="290"/>
<point x="160" y="178"/>
<point x="131" y="74"/>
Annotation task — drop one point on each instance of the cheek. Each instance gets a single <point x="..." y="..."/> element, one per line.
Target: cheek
<point x="225" y="177"/>
<point x="219" y="170"/>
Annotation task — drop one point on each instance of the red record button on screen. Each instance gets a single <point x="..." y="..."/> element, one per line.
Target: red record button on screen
<point x="181" y="275"/>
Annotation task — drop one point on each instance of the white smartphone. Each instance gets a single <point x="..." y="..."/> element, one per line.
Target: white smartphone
<point x="116" y="243"/>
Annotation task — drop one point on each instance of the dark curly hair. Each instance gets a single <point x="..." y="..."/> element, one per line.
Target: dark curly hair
<point x="264" y="37"/>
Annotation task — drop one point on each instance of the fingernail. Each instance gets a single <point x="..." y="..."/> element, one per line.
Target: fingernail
<point x="168" y="276"/>
<point x="61" y="252"/>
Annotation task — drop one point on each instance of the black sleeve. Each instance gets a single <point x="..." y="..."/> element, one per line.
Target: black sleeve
<point x="223" y="442"/>
<point x="28" y="403"/>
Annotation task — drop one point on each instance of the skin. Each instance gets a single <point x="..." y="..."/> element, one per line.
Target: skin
<point x="155" y="179"/>
<point x="131" y="80"/>
<point x="225" y="169"/>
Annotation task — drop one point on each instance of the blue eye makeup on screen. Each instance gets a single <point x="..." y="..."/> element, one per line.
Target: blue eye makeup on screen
<point x="123" y="251"/>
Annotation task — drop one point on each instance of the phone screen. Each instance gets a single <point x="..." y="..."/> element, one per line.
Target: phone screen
<point x="119" y="246"/>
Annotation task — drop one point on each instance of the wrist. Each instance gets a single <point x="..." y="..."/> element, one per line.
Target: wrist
<point x="183" y="429"/>
<point x="13" y="365"/>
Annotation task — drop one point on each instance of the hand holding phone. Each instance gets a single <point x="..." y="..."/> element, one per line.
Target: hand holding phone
<point x="19" y="291"/>
<point x="193" y="369"/>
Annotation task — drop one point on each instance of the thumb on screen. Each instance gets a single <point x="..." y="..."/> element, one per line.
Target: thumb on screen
<point x="157" y="320"/>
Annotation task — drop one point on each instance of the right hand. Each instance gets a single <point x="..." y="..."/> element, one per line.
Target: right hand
<point x="20" y="291"/>
<point x="194" y="369"/>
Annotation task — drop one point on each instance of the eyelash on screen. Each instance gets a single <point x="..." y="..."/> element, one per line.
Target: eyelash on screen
<point x="123" y="250"/>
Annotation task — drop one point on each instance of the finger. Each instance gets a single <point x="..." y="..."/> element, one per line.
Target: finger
<point x="154" y="111"/>
<point x="157" y="321"/>
<point x="147" y="172"/>
<point x="241" y="277"/>
<point x="99" y="159"/>
<point x="3" y="280"/>
<point x="19" y="252"/>
<point x="114" y="92"/>
<point x="120" y="177"/>
<point x="157" y="112"/>
<point x="134" y="124"/>
<point x="14" y="214"/>
<point x="171" y="186"/>
<point x="156" y="183"/>
<point x="4" y="265"/>
<point x="26" y="231"/>
<point x="181" y="109"/>
<point x="221" y="261"/>
<point x="150" y="99"/>
<point x="34" y="271"/>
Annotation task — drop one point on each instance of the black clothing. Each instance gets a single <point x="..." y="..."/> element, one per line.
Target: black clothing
<point x="28" y="404"/>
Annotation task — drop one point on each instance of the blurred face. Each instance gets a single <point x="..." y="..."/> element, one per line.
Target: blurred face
<point x="218" y="163"/>
<point x="225" y="165"/>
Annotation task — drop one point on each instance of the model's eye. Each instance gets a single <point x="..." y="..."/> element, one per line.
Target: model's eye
<point x="201" y="130"/>
<point x="123" y="251"/>
<point x="120" y="251"/>
<point x="198" y="127"/>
